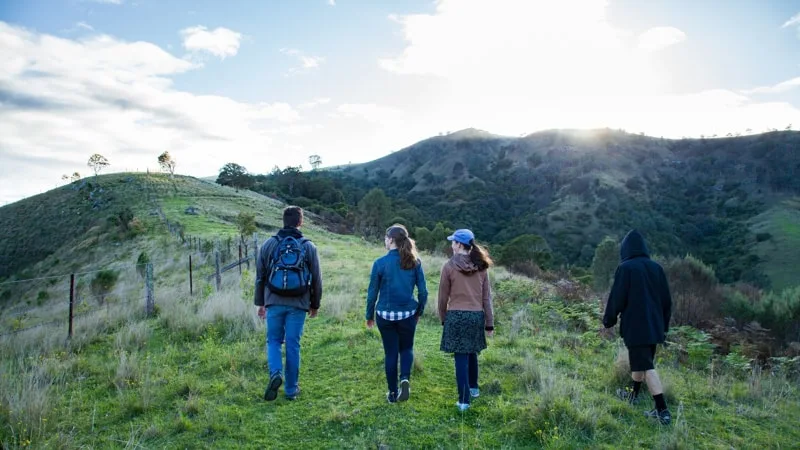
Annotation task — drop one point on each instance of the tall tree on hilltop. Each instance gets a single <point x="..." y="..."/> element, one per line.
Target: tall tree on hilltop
<point x="97" y="162"/>
<point x="315" y="161"/>
<point x="167" y="163"/>
<point x="233" y="174"/>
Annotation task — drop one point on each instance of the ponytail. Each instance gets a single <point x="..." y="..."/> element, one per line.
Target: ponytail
<point x="405" y="246"/>
<point x="479" y="256"/>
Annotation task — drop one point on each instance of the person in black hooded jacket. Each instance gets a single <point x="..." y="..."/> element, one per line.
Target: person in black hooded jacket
<point x="640" y="294"/>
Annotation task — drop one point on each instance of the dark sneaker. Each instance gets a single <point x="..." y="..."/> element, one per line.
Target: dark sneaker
<point x="663" y="416"/>
<point x="293" y="396"/>
<point x="275" y="382"/>
<point x="405" y="391"/>
<point x="391" y="397"/>
<point x="626" y="395"/>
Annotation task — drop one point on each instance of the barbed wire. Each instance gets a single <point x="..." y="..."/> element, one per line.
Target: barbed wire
<point x="112" y="267"/>
<point x="74" y="316"/>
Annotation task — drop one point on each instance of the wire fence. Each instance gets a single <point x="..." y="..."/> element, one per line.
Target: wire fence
<point x="59" y="299"/>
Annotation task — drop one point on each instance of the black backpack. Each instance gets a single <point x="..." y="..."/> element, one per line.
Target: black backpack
<point x="289" y="273"/>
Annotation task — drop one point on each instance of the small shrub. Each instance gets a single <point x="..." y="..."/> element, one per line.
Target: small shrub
<point x="103" y="283"/>
<point x="141" y="263"/>
<point x="42" y="297"/>
<point x="694" y="291"/>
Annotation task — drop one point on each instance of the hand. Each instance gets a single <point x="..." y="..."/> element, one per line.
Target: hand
<point x="490" y="333"/>
<point x="312" y="313"/>
<point x="370" y="324"/>
<point x="262" y="312"/>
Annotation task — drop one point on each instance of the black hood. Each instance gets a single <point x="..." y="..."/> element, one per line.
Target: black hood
<point x="632" y="246"/>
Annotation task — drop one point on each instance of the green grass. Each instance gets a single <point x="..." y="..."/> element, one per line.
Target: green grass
<point x="780" y="258"/>
<point x="194" y="376"/>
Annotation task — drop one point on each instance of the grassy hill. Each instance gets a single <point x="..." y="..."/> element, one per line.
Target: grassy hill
<point x="193" y="375"/>
<point x="574" y="187"/>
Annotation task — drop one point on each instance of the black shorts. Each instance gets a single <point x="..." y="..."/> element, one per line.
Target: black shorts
<point x="641" y="357"/>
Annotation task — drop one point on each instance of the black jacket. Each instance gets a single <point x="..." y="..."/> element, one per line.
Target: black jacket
<point x="265" y="297"/>
<point x="640" y="294"/>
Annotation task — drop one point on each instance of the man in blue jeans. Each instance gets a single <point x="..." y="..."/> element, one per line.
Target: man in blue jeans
<point x="286" y="314"/>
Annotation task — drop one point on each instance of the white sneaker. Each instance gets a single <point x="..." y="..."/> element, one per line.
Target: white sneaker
<point x="405" y="391"/>
<point x="462" y="406"/>
<point x="474" y="392"/>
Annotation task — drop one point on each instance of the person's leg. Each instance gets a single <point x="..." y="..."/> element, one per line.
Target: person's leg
<point x="653" y="382"/>
<point x="295" y="320"/>
<point x="406" y="329"/>
<point x="462" y="377"/>
<point x="276" y="329"/>
<point x="637" y="377"/>
<point x="473" y="371"/>
<point x="276" y="321"/>
<point x="391" y="348"/>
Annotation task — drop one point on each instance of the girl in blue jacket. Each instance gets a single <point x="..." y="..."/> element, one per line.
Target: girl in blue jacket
<point x="391" y="284"/>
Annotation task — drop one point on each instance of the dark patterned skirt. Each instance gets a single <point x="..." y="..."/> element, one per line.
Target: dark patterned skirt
<point x="463" y="332"/>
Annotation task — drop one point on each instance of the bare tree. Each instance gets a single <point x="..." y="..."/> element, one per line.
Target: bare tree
<point x="315" y="161"/>
<point x="167" y="163"/>
<point x="75" y="177"/>
<point x="97" y="162"/>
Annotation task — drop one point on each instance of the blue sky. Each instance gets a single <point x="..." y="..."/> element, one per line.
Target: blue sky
<point x="266" y="83"/>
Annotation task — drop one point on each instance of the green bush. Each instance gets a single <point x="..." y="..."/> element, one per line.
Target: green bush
<point x="141" y="263"/>
<point x="103" y="283"/>
<point x="526" y="248"/>
<point x="695" y="297"/>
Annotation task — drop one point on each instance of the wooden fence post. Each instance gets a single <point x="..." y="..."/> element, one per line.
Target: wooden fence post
<point x="149" y="307"/>
<point x="191" y="287"/>
<point x="218" y="274"/>
<point x="71" y="302"/>
<point x="240" y="260"/>
<point x="255" y="251"/>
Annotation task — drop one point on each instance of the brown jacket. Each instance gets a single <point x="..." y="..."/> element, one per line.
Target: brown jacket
<point x="463" y="287"/>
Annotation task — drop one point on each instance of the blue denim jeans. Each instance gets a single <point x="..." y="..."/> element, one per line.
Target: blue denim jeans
<point x="285" y="323"/>
<point x="466" y="374"/>
<point x="398" y="339"/>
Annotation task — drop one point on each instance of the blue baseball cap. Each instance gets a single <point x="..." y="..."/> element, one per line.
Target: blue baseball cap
<point x="463" y="236"/>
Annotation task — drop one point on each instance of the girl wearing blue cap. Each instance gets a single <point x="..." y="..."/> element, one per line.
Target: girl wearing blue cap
<point x="391" y="285"/>
<point x="465" y="309"/>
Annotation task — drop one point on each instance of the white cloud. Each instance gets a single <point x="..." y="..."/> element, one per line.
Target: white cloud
<point x="514" y="67"/>
<point x="794" y="20"/>
<point x="659" y="38"/>
<point x="307" y="63"/>
<point x="332" y="2"/>
<point x="110" y="2"/>
<point x="314" y="103"/>
<point x="369" y="112"/>
<point x="220" y="42"/>
<point x="62" y="100"/>
<point x="512" y="48"/>
<point x="84" y="25"/>
<point x="779" y="88"/>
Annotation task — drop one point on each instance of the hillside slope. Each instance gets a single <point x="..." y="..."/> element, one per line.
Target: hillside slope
<point x="575" y="187"/>
<point x="193" y="375"/>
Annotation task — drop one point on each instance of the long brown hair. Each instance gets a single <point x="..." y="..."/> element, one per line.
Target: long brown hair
<point x="405" y="245"/>
<point x="478" y="255"/>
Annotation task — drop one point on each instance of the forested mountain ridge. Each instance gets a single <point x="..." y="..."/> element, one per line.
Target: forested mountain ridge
<point x="709" y="196"/>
